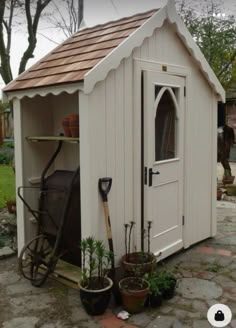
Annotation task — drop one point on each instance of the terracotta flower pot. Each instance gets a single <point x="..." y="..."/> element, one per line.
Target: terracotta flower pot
<point x="138" y="263"/>
<point x="74" y="130"/>
<point x="228" y="179"/>
<point x="74" y="125"/>
<point x="134" y="292"/>
<point x="74" y="120"/>
<point x="66" y="127"/>
<point x="219" y="194"/>
<point x="11" y="206"/>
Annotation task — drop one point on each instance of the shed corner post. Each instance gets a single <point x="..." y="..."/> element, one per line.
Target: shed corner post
<point x="214" y="169"/>
<point x="85" y="194"/>
<point x="18" y="141"/>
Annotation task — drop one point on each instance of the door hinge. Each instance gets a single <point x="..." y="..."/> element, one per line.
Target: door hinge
<point x="184" y="91"/>
<point x="183" y="220"/>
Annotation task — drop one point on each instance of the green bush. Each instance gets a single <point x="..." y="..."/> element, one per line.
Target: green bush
<point x="9" y="144"/>
<point x="6" y="155"/>
<point x="7" y="184"/>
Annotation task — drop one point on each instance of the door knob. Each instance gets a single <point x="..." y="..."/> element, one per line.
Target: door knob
<point x="151" y="173"/>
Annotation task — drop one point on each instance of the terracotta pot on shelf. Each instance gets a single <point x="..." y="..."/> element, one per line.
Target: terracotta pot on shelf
<point x="74" y="120"/>
<point x="66" y="127"/>
<point x="74" y="130"/>
<point x="74" y="125"/>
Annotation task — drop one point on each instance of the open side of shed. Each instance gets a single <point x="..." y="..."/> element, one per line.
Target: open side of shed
<point x="148" y="104"/>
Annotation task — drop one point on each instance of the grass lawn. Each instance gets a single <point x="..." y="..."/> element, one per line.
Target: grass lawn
<point x="7" y="184"/>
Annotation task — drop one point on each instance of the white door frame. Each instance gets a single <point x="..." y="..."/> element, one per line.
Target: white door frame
<point x="139" y="66"/>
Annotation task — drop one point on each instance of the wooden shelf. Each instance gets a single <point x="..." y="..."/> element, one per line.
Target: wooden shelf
<point x="52" y="138"/>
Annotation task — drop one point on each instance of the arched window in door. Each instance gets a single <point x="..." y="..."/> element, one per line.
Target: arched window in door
<point x="165" y="124"/>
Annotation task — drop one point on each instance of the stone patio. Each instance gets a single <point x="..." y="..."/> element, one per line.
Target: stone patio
<point x="206" y="275"/>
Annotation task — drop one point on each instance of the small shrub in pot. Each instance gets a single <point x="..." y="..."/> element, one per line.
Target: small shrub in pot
<point x="166" y="284"/>
<point x="95" y="286"/>
<point x="142" y="261"/>
<point x="155" y="295"/>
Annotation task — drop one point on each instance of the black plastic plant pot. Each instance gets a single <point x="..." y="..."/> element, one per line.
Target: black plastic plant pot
<point x="95" y="302"/>
<point x="167" y="294"/>
<point x="155" y="300"/>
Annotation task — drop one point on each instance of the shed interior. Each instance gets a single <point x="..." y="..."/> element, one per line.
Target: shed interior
<point x="41" y="122"/>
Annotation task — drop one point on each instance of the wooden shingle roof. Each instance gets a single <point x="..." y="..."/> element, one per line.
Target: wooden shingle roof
<point x="70" y="61"/>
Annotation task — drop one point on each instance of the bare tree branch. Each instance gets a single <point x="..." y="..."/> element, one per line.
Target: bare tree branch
<point x="49" y="39"/>
<point x="32" y="25"/>
<point x="68" y="23"/>
<point x="5" y="68"/>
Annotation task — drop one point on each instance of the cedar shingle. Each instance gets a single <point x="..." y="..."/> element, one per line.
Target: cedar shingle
<point x="71" y="60"/>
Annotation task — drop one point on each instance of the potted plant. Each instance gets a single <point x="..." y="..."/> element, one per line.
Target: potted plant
<point x="154" y="298"/>
<point x="219" y="193"/>
<point x="11" y="205"/>
<point x="134" y="292"/>
<point x="228" y="178"/>
<point x="140" y="262"/>
<point x="166" y="284"/>
<point x="95" y="286"/>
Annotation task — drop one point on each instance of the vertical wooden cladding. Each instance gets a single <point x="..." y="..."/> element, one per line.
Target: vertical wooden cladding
<point x="111" y="150"/>
<point x="119" y="150"/>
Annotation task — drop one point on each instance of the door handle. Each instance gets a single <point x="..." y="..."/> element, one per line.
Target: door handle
<point x="151" y="173"/>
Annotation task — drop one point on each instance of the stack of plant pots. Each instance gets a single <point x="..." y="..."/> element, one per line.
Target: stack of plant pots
<point x="142" y="284"/>
<point x="71" y="126"/>
<point x="134" y="288"/>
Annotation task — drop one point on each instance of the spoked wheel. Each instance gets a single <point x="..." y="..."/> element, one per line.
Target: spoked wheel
<point x="35" y="261"/>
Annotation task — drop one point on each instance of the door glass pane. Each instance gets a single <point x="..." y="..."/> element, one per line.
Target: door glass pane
<point x="165" y="126"/>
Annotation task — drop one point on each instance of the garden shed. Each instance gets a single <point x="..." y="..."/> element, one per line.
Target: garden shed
<point x="147" y="104"/>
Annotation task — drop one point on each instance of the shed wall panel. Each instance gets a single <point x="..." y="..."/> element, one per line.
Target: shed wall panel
<point x="111" y="145"/>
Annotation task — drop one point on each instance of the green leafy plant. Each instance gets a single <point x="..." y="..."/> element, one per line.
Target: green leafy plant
<point x="154" y="286"/>
<point x="214" y="267"/>
<point x="166" y="280"/>
<point x="6" y="154"/>
<point x="96" y="263"/>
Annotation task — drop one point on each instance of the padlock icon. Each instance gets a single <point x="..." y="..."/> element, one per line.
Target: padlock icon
<point x="219" y="316"/>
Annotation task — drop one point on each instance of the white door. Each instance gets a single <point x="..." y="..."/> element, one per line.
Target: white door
<point x="163" y="154"/>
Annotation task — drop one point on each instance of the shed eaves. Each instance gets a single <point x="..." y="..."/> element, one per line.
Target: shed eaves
<point x="71" y="60"/>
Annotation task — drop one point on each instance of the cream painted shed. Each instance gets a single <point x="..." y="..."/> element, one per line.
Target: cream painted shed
<point x="147" y="103"/>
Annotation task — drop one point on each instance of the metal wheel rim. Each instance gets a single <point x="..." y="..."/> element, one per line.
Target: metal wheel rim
<point x="36" y="261"/>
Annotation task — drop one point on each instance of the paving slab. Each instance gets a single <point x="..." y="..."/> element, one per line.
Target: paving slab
<point x="21" y="322"/>
<point x="195" y="288"/>
<point x="6" y="252"/>
<point x="163" y="322"/>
